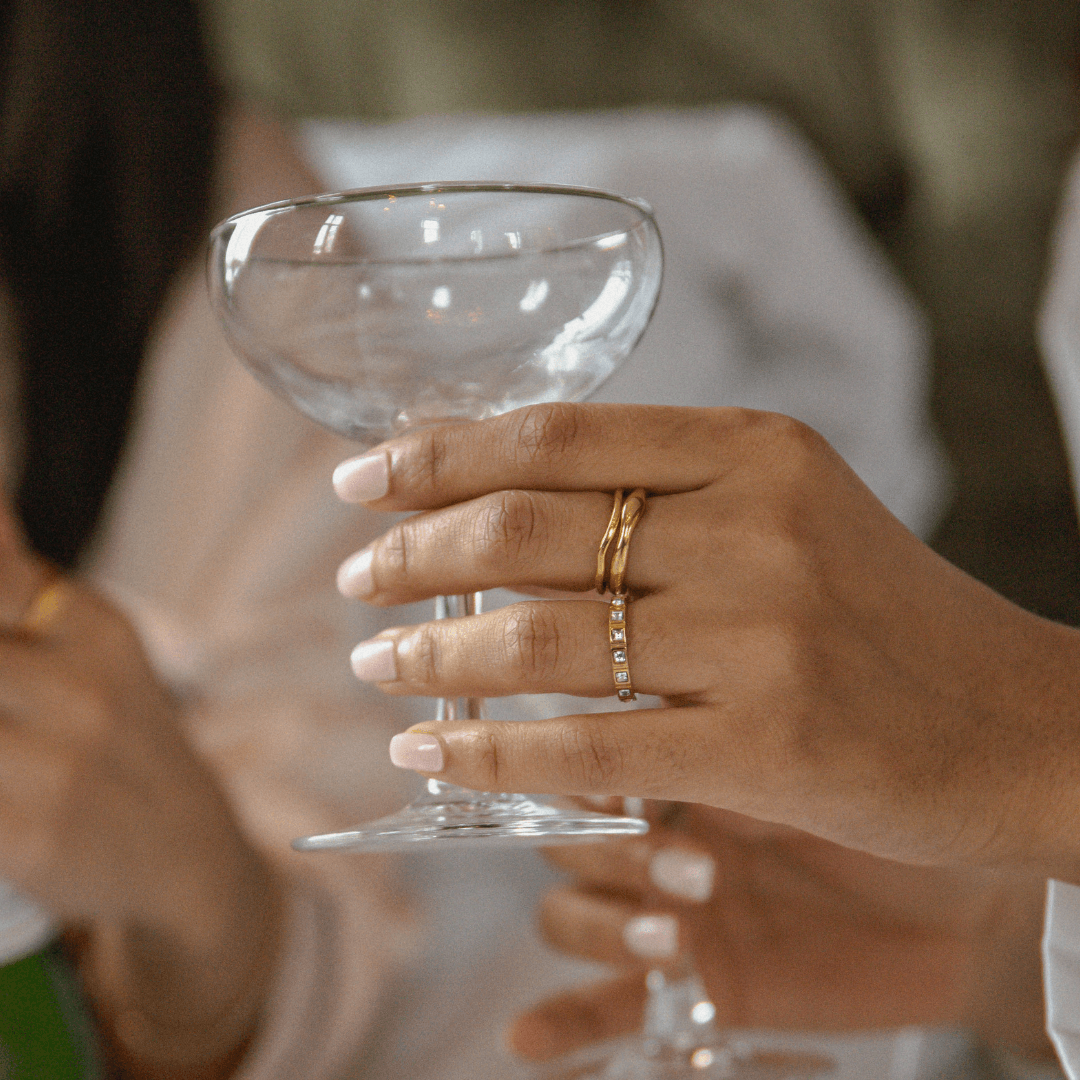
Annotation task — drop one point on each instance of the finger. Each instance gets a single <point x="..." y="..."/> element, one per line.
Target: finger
<point x="582" y="1016"/>
<point x="509" y="539"/>
<point x="664" y="861"/>
<point x="606" y="929"/>
<point x="553" y="447"/>
<point x="533" y="647"/>
<point x="686" y="754"/>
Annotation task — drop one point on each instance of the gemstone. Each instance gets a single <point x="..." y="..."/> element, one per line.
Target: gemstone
<point x="617" y="616"/>
<point x="618" y="655"/>
<point x="618" y="602"/>
<point x="625" y="695"/>
<point x="622" y="676"/>
<point x="618" y="634"/>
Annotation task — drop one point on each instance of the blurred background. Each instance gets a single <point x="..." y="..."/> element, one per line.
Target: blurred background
<point x="950" y="124"/>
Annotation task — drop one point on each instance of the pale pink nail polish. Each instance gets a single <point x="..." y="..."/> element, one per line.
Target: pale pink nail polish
<point x="412" y="750"/>
<point x="685" y="874"/>
<point x="652" y="937"/>
<point x="354" y="575"/>
<point x="362" y="479"/>
<point x="374" y="660"/>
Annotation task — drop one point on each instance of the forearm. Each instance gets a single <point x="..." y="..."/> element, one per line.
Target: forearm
<point x="185" y="1000"/>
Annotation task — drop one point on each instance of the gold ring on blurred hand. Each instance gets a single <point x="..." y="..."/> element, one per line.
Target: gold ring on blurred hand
<point x="46" y="607"/>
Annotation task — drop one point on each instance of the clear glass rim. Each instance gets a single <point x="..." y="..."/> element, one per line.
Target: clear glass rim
<point x="369" y="194"/>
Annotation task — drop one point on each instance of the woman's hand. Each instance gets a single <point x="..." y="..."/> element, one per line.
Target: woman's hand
<point x="824" y="669"/>
<point x="796" y="933"/>
<point x="110" y="820"/>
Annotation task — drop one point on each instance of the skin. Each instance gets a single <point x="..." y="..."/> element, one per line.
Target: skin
<point x="799" y="934"/>
<point x="108" y="817"/>
<point x="110" y="820"/>
<point x="821" y="668"/>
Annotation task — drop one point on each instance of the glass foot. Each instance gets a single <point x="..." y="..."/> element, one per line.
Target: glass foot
<point x="448" y="813"/>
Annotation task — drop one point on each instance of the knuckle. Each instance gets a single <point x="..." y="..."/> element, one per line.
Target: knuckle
<point x="393" y="555"/>
<point x="595" y="762"/>
<point x="532" y="641"/>
<point x="547" y="431"/>
<point x="420" y="656"/>
<point x="482" y="751"/>
<point x="510" y="522"/>
<point x="421" y="470"/>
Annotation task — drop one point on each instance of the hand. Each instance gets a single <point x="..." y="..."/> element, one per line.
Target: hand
<point x="796" y="934"/>
<point x="110" y="820"/>
<point x="823" y="668"/>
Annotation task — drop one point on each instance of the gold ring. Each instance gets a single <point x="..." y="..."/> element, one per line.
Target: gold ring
<point x="609" y="535"/>
<point x="632" y="509"/>
<point x="45" y="608"/>
<point x="620" y="646"/>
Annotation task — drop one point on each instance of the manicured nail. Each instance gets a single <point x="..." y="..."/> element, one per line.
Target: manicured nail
<point x="374" y="660"/>
<point x="362" y="479"/>
<point x="683" y="873"/>
<point x="413" y="750"/>
<point x="354" y="575"/>
<point x="652" y="937"/>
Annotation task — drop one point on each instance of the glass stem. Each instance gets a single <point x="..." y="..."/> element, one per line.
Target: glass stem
<point x="678" y="1013"/>
<point x="456" y="607"/>
<point x="463" y="708"/>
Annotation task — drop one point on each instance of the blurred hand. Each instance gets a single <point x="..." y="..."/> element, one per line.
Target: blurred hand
<point x="796" y="933"/>
<point x="826" y="670"/>
<point x="110" y="820"/>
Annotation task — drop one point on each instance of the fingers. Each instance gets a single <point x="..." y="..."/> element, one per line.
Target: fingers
<point x="511" y="539"/>
<point x="607" y="930"/>
<point x="580" y="1017"/>
<point x="663" y="861"/>
<point x="534" y="647"/>
<point x="552" y="447"/>
<point x="650" y="753"/>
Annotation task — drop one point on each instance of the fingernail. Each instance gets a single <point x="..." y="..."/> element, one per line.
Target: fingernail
<point x="413" y="750"/>
<point x="354" y="575"/>
<point x="683" y="873"/>
<point x="361" y="479"/>
<point x="652" y="937"/>
<point x="374" y="660"/>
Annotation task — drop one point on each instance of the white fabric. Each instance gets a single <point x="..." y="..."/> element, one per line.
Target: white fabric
<point x="223" y="536"/>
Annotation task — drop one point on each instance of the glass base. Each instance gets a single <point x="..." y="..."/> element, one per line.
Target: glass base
<point x="640" y="1058"/>
<point x="448" y="813"/>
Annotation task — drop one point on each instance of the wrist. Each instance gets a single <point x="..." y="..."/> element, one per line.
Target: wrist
<point x="186" y="1002"/>
<point x="1006" y="1007"/>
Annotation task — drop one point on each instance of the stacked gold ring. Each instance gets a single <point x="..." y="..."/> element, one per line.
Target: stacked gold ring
<point x="624" y="518"/>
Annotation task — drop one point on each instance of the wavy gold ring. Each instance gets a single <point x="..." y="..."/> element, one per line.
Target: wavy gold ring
<point x="632" y="510"/>
<point x="609" y="535"/>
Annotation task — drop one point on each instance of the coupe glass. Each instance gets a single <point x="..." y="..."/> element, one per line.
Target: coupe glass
<point x="380" y="310"/>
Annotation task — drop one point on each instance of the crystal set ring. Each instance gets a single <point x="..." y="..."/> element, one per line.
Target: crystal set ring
<point x="625" y="515"/>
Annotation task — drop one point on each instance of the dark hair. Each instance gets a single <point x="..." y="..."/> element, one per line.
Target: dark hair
<point x="106" y="146"/>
